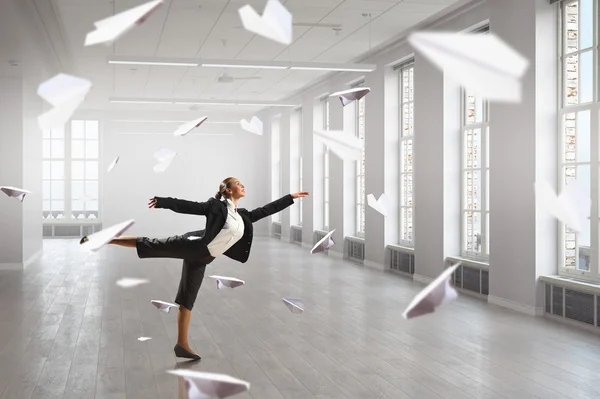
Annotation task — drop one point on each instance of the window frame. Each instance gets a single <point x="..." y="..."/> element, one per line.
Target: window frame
<point x="593" y="107"/>
<point x="360" y="166"/>
<point x="326" y="155"/>
<point x="407" y="66"/>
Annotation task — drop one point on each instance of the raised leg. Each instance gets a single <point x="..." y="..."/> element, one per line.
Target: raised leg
<point x="184" y="316"/>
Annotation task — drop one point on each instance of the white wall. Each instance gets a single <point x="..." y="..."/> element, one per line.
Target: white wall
<point x="195" y="174"/>
<point x="523" y="148"/>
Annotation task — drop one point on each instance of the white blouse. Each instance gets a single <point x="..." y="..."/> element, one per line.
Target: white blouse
<point x="232" y="232"/>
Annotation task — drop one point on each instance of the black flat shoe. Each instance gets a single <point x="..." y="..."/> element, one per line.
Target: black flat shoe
<point x="84" y="240"/>
<point x="182" y="352"/>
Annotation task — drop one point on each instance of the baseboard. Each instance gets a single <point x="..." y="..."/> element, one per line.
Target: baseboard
<point x="422" y="279"/>
<point x="335" y="254"/>
<point x="33" y="258"/>
<point x="517" y="307"/>
<point x="374" y="265"/>
<point x="11" y="266"/>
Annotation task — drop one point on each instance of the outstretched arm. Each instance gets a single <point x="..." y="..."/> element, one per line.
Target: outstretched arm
<point x="275" y="206"/>
<point x="180" y="206"/>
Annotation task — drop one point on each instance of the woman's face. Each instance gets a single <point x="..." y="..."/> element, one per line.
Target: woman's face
<point x="236" y="189"/>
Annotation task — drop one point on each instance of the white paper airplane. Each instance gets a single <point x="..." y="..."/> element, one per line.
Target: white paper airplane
<point x="112" y="28"/>
<point x="201" y="385"/>
<point x="275" y="23"/>
<point x="436" y="294"/>
<point x="189" y="126"/>
<point x="345" y="145"/>
<point x="381" y="205"/>
<point x="294" y="305"/>
<point x="113" y="164"/>
<point x="351" y="95"/>
<point x="164" y="157"/>
<point x="324" y="243"/>
<point x="103" y="237"/>
<point x="482" y="63"/>
<point x="229" y="282"/>
<point x="254" y="126"/>
<point x="14" y="192"/>
<point x="131" y="282"/>
<point x="194" y="238"/>
<point x="163" y="306"/>
<point x="143" y="339"/>
<point x="65" y="93"/>
<point x="572" y="207"/>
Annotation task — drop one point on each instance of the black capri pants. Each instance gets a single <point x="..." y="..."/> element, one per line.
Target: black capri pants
<point x="194" y="258"/>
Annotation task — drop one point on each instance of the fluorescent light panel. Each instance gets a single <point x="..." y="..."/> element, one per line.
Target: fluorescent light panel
<point x="339" y="69"/>
<point x="186" y="64"/>
<point x="244" y="66"/>
<point x="176" y="101"/>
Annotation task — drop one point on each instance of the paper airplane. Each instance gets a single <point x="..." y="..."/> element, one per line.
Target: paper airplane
<point x="482" y="63"/>
<point x="14" y="192"/>
<point x="275" y="23"/>
<point x="112" y="28"/>
<point x="65" y="93"/>
<point x="229" y="282"/>
<point x="143" y="339"/>
<point x="163" y="306"/>
<point x="189" y="126"/>
<point x="131" y="282"/>
<point x="381" y="205"/>
<point x="351" y="95"/>
<point x="113" y="164"/>
<point x="572" y="207"/>
<point x="345" y="145"/>
<point x="103" y="237"/>
<point x="201" y="385"/>
<point x="194" y="238"/>
<point x="436" y="294"/>
<point x="164" y="157"/>
<point x="294" y="305"/>
<point x="254" y="126"/>
<point x="324" y="243"/>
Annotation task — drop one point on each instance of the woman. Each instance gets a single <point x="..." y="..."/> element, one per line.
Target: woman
<point x="228" y="232"/>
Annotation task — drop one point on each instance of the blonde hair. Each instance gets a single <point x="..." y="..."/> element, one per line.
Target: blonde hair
<point x="225" y="184"/>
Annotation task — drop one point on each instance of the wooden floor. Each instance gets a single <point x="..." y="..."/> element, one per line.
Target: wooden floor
<point x="67" y="331"/>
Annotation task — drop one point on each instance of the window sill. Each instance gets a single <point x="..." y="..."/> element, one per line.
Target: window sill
<point x="296" y="227"/>
<point x="478" y="264"/>
<point x="355" y="239"/>
<point x="72" y="222"/>
<point x="570" y="282"/>
<point x="401" y="248"/>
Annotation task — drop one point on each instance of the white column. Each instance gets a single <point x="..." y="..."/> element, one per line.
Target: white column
<point x="309" y="170"/>
<point x="284" y="140"/>
<point x="339" y="196"/>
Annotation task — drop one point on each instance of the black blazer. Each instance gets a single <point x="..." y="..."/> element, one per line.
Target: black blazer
<point x="216" y="215"/>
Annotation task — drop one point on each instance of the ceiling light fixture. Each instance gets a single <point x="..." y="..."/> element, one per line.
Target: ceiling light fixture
<point x="209" y="102"/>
<point x="339" y="69"/>
<point x="154" y="63"/>
<point x="243" y="66"/>
<point x="139" y="102"/>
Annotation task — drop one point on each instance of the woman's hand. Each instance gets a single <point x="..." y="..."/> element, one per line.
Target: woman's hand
<point x="152" y="202"/>
<point x="301" y="194"/>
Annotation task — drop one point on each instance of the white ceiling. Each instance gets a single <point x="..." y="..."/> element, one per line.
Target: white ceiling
<point x="211" y="29"/>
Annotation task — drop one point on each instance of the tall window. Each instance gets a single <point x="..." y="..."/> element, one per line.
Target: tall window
<point x="360" y="169"/>
<point x="475" y="177"/>
<point x="578" y="118"/>
<point x="53" y="174"/>
<point x="70" y="171"/>
<point x="84" y="169"/>
<point x="325" y="104"/>
<point x="275" y="166"/>
<point x="406" y="113"/>
<point x="300" y="149"/>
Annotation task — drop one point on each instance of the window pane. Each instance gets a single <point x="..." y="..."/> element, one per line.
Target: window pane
<point x="46" y="190"/>
<point x="78" y="129"/>
<point x="586" y="85"/>
<point x="472" y="143"/>
<point x="572" y="27"/>
<point x="586" y="35"/>
<point x="91" y="130"/>
<point x="46" y="134"/>
<point x="77" y="206"/>
<point x="472" y="234"/>
<point x="77" y="190"/>
<point x="77" y="170"/>
<point x="58" y="205"/>
<point x="91" y="205"/>
<point x="487" y="190"/>
<point x="57" y="149"/>
<point x="77" y="149"/>
<point x="91" y="149"/>
<point x="406" y="224"/>
<point x="472" y="190"/>
<point x="572" y="77"/>
<point x="46" y="149"/>
<point x="487" y="234"/>
<point x="46" y="205"/>
<point x="406" y="190"/>
<point x="583" y="136"/>
<point x="474" y="109"/>
<point x="58" y="170"/>
<point x="57" y="133"/>
<point x="46" y="170"/>
<point x="91" y="189"/>
<point x="58" y="190"/>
